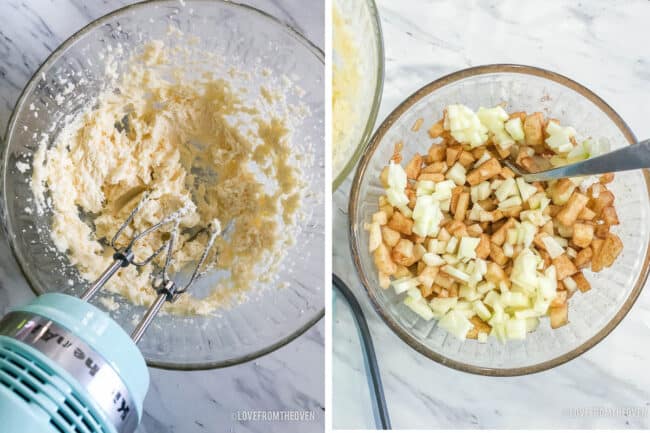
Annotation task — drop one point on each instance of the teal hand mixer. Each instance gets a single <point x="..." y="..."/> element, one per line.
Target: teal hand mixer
<point x="67" y="367"/>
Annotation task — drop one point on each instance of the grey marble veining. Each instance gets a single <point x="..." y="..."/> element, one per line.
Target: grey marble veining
<point x="178" y="402"/>
<point x="601" y="44"/>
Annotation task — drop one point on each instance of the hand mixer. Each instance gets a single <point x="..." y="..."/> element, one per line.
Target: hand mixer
<point x="67" y="367"/>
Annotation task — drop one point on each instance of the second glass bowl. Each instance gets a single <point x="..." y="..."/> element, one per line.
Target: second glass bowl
<point x="363" y="23"/>
<point x="592" y="315"/>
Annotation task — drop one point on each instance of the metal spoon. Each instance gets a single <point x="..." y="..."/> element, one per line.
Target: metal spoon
<point x="631" y="157"/>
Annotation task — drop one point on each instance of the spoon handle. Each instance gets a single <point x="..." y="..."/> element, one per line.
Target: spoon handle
<point x="633" y="157"/>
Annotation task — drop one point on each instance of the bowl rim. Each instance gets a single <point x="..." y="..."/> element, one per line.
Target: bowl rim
<point x="392" y="118"/>
<point x="32" y="82"/>
<point x="376" y="101"/>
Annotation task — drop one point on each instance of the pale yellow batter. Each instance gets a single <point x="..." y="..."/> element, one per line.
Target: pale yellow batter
<point x="189" y="143"/>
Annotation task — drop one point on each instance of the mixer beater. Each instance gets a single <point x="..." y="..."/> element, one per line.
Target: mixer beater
<point x="166" y="288"/>
<point x="67" y="367"/>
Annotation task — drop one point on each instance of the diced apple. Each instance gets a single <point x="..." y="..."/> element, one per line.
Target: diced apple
<point x="432" y="259"/>
<point x="440" y="306"/>
<point x="455" y="273"/>
<point x="547" y="287"/>
<point x="402" y="285"/>
<point x="524" y="269"/>
<point x="515" y="128"/>
<point x="485" y="287"/>
<point x="513" y="201"/>
<point x="531" y="324"/>
<point x="512" y="236"/>
<point x="396" y="176"/>
<point x="559" y="138"/>
<point x="516" y="329"/>
<point x="526" y="190"/>
<point x="414" y="293"/>
<point x="456" y="323"/>
<point x="452" y="244"/>
<point x="492" y="299"/>
<point x="494" y="119"/>
<point x="396" y="197"/>
<point x="425" y="187"/>
<point x="507" y="189"/>
<point x="481" y="310"/>
<point x="559" y="316"/>
<point x="457" y="174"/>
<point x="553" y="248"/>
<point x="464" y="125"/>
<point x="526" y="233"/>
<point x="467" y="247"/>
<point x="535" y="217"/>
<point x="514" y="299"/>
<point x="468" y="293"/>
<point x="570" y="284"/>
<point x="525" y="314"/>
<point x="419" y="307"/>
<point x="486" y="156"/>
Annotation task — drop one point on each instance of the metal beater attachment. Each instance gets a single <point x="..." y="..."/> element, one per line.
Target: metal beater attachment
<point x="166" y="288"/>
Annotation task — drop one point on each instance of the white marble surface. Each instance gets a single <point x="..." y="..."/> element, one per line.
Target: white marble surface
<point x="188" y="402"/>
<point x="601" y="44"/>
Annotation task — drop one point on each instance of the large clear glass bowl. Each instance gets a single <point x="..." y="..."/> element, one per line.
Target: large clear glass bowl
<point x="251" y="39"/>
<point x="364" y="25"/>
<point x="592" y="315"/>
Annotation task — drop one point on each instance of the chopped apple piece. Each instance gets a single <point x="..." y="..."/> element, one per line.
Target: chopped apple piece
<point x="533" y="129"/>
<point x="582" y="234"/>
<point x="402" y="285"/>
<point x="441" y="306"/>
<point x="464" y="125"/>
<point x="401" y="223"/>
<point x="559" y="316"/>
<point x="607" y="253"/>
<point x="467" y="247"/>
<point x="389" y="236"/>
<point x="516" y="329"/>
<point x="581" y="282"/>
<point x="559" y="138"/>
<point x="515" y="128"/>
<point x="526" y="190"/>
<point x="564" y="267"/>
<point x="494" y="119"/>
<point x="383" y="260"/>
<point x="553" y="248"/>
<point x="455" y="273"/>
<point x="456" y="324"/>
<point x="457" y="174"/>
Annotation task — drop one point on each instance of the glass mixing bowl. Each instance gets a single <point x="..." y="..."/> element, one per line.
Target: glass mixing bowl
<point x="592" y="315"/>
<point x="364" y="25"/>
<point x="251" y="39"/>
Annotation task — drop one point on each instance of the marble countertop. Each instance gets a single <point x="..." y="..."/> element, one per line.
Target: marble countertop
<point x="601" y="44"/>
<point x="290" y="378"/>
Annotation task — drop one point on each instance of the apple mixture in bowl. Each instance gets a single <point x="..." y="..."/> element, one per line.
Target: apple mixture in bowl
<point x="479" y="249"/>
